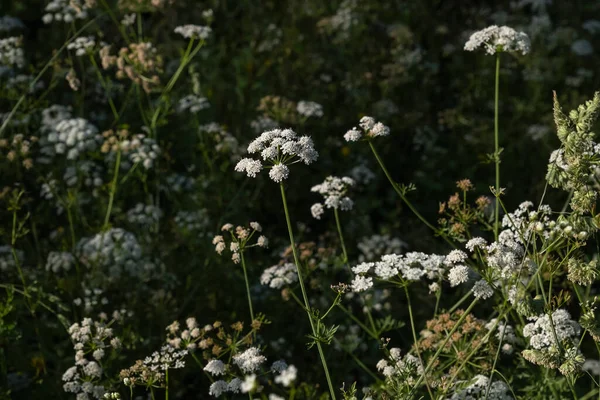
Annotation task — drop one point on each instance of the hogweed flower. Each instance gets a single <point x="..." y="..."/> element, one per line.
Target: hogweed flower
<point x="280" y="148"/>
<point x="334" y="191"/>
<point x="495" y="39"/>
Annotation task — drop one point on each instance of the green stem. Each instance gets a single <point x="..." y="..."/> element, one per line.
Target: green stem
<point x="303" y="289"/>
<point x="405" y="199"/>
<point x="113" y="190"/>
<point x="167" y="384"/>
<point x="247" y="287"/>
<point x="496" y="145"/>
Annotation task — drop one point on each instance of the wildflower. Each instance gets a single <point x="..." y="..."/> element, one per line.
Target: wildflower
<point x="475" y="243"/>
<point x="192" y="103"/>
<point x="248" y="384"/>
<point x="82" y="45"/>
<point x="482" y="290"/>
<point x="287" y="376"/>
<point x="280" y="148"/>
<point x="458" y="274"/>
<point x="498" y="39"/>
<point x="249" y="360"/>
<point x="361" y="283"/>
<point x="217" y="388"/>
<point x="455" y="257"/>
<point x="279" y="366"/>
<point x="194" y="31"/>
<point x="215" y="367"/>
<point x="279" y="275"/>
<point x="353" y="135"/>
<point x="262" y="241"/>
<point x="334" y="191"/>
<point x="317" y="210"/>
<point x="309" y="109"/>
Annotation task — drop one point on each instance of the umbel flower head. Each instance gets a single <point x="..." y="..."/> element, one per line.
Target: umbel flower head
<point x="334" y="190"/>
<point x="280" y="148"/>
<point x="370" y="129"/>
<point x="495" y="39"/>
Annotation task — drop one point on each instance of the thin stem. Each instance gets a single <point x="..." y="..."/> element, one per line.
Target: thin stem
<point x="496" y="145"/>
<point x="405" y="199"/>
<point x="303" y="289"/>
<point x="113" y="190"/>
<point x="167" y="384"/>
<point x="247" y="287"/>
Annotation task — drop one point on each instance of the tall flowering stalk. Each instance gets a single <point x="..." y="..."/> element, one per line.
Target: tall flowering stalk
<point x="280" y="148"/>
<point x="495" y="40"/>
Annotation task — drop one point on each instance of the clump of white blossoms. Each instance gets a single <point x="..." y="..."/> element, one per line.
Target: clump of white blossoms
<point x="194" y="31"/>
<point x="495" y="39"/>
<point x="554" y="342"/>
<point x="192" y="103"/>
<point x="406" y="369"/>
<point x="82" y="45"/>
<point x="71" y="136"/>
<point x="91" y="340"/>
<point x="66" y="10"/>
<point x="240" y="238"/>
<point x="280" y="148"/>
<point x="11" y="52"/>
<point x="374" y="246"/>
<point x="477" y="388"/>
<point x="309" y="109"/>
<point x="250" y="360"/>
<point x="409" y="267"/>
<point x="144" y="215"/>
<point x="370" y="129"/>
<point x="334" y="191"/>
<point x="279" y="275"/>
<point x="58" y="261"/>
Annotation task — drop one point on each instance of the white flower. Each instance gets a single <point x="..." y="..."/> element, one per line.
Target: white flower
<point x="309" y="109"/>
<point x="317" y="210"/>
<point x="476" y="242"/>
<point x="496" y="39"/>
<point x="250" y="166"/>
<point x="215" y="367"/>
<point x="334" y="190"/>
<point x="279" y="366"/>
<point x="287" y="376"/>
<point x="361" y="283"/>
<point x="455" y="257"/>
<point x="353" y="135"/>
<point x="482" y="290"/>
<point x="458" y="274"/>
<point x="278" y="276"/>
<point x="194" y="31"/>
<point x="279" y="172"/>
<point x="248" y="384"/>
<point x="217" y="388"/>
<point x="82" y="45"/>
<point x="249" y="360"/>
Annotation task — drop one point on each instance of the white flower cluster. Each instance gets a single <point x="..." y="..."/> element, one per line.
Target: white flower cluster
<point x="66" y="11"/>
<point x="280" y="148"/>
<point x="525" y="222"/>
<point x="168" y="357"/>
<point x="240" y="238"/>
<point x="334" y="191"/>
<point x="499" y="38"/>
<point x="192" y="222"/>
<point x="194" y="31"/>
<point x="215" y="367"/>
<point x="370" y="129"/>
<point x="91" y="298"/>
<point x="477" y="389"/>
<point x="504" y="333"/>
<point x="82" y="45"/>
<point x="309" y="109"/>
<point x="8" y="23"/>
<point x="263" y="123"/>
<point x="459" y="272"/>
<point x="177" y="183"/>
<point x="89" y="338"/>
<point x="144" y="215"/>
<point x="373" y="247"/>
<point x="192" y="103"/>
<point x="286" y="376"/>
<point x="396" y="366"/>
<point x="362" y="174"/>
<point x="541" y="332"/>
<point x="410" y="266"/>
<point x="85" y="172"/>
<point x="142" y="150"/>
<point x="279" y="275"/>
<point x="250" y="360"/>
<point x="219" y="387"/>
<point x="71" y="136"/>
<point x="11" y="52"/>
<point x="114" y="253"/>
<point x="58" y="261"/>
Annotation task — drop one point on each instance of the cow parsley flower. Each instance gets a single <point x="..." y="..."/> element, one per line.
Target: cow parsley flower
<point x="279" y="148"/>
<point x="287" y="376"/>
<point x="215" y="367"/>
<point x="82" y="45"/>
<point x="458" y="274"/>
<point x="495" y="39"/>
<point x="361" y="283"/>
<point x="194" y="31"/>
<point x="370" y="127"/>
<point x="309" y="109"/>
<point x="11" y="52"/>
<point x="482" y="290"/>
<point x="334" y="190"/>
<point x="250" y="360"/>
<point x="317" y="210"/>
<point x="279" y="275"/>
